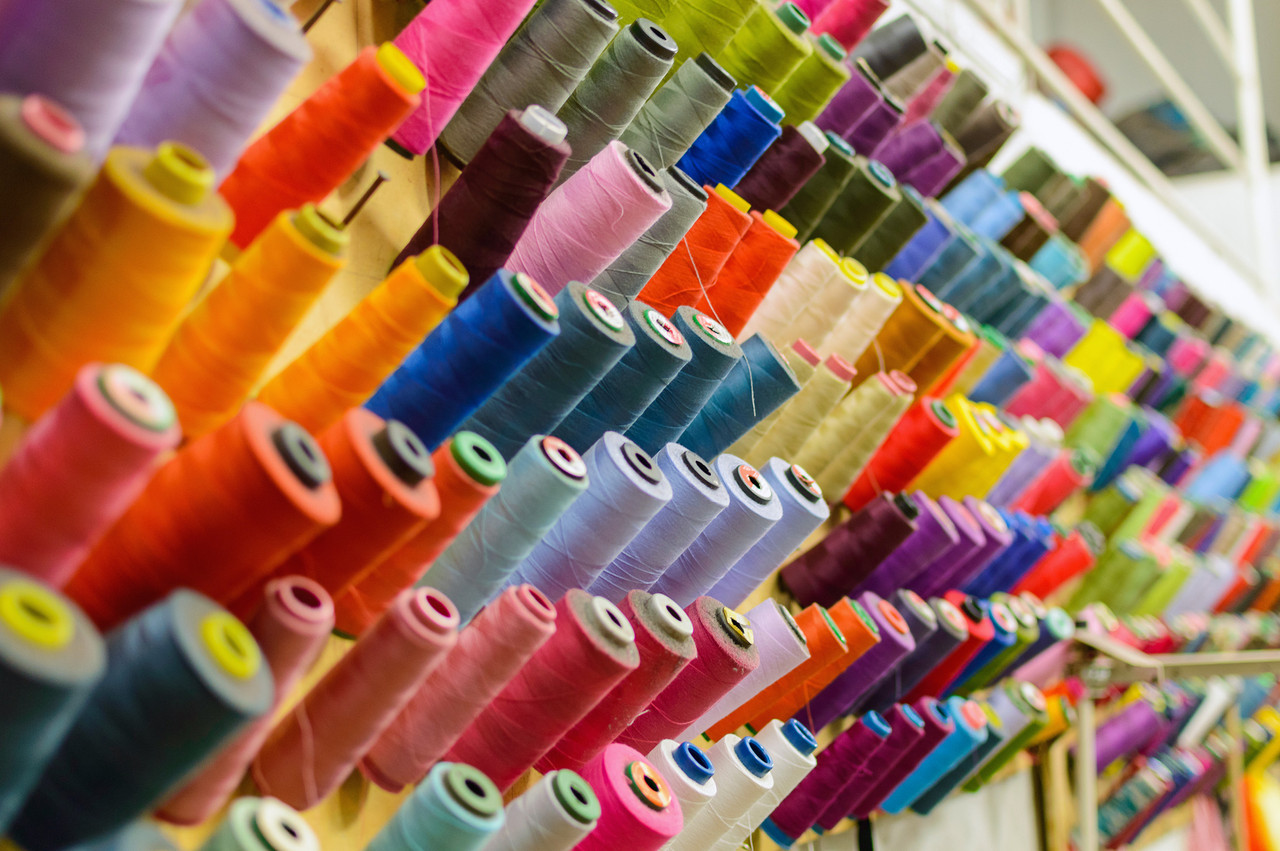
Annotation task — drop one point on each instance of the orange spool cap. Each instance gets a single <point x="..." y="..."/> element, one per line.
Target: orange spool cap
<point x="343" y="368"/>
<point x="220" y="516"/>
<point x="751" y="270"/>
<point x="114" y="281"/>
<point x="222" y="349"/>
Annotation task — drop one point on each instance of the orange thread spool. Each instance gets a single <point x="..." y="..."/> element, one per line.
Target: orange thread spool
<point x="222" y="349"/>
<point x="382" y="472"/>
<point x="112" y="284"/>
<point x="217" y="518"/>
<point x="1108" y="226"/>
<point x="1195" y="415"/>
<point x="343" y="368"/>
<point x="753" y="267"/>
<point x="1222" y="428"/>
<point x="468" y="473"/>
<point x="913" y="329"/>
<point x="826" y="645"/>
<point x="954" y="344"/>
<point x="701" y="255"/>
<point x="321" y="143"/>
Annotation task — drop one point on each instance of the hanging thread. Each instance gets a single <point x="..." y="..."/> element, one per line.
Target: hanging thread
<point x="758" y="384"/>
<point x="637" y="809"/>
<point x="684" y="276"/>
<point x="756" y="262"/>
<point x="733" y="142"/>
<point x="455" y="807"/>
<point x="691" y="98"/>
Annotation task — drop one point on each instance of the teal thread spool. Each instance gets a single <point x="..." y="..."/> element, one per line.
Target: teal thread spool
<point x="141" y="835"/>
<point x="455" y="808"/>
<point x="262" y="824"/>
<point x="769" y="46"/>
<point x="815" y="81"/>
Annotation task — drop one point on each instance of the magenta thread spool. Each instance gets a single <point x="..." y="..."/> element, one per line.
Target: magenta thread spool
<point x="950" y="633"/>
<point x="935" y="534"/>
<point x="937" y="724"/>
<point x="928" y="582"/>
<point x="906" y="728"/>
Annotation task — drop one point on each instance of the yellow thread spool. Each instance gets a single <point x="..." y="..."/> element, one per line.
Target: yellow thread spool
<point x="700" y="26"/>
<point x="1103" y="354"/>
<point x="974" y="445"/>
<point x="843" y="469"/>
<point x="36" y="615"/>
<point x="1268" y="717"/>
<point x="231" y="645"/>
<point x="223" y="348"/>
<point x="855" y="412"/>
<point x="343" y="368"/>
<point x="769" y="46"/>
<point x="116" y="278"/>
<point x="1131" y="255"/>
<point x="632" y="10"/>
<point x="815" y="81"/>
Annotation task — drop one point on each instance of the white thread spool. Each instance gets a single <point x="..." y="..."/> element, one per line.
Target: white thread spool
<point x="854" y="331"/>
<point x="791" y="745"/>
<point x="808" y="274"/>
<point x="555" y="815"/>
<point x="743" y="776"/>
<point x="688" y="772"/>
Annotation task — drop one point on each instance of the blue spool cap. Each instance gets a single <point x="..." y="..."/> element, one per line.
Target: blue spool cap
<point x="765" y="105"/>
<point x="799" y="737"/>
<point x="693" y="762"/>
<point x="878" y="725"/>
<point x="753" y="756"/>
<point x="912" y="716"/>
<point x="775" y="833"/>
<point x="940" y="711"/>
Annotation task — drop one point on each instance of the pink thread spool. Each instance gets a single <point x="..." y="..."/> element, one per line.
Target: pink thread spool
<point x="313" y="748"/>
<point x="1134" y="313"/>
<point x="80" y="467"/>
<point x="452" y="42"/>
<point x="592" y="650"/>
<point x="290" y="627"/>
<point x="638" y="812"/>
<point x="586" y="223"/>
<point x="490" y="651"/>
<point x="849" y="21"/>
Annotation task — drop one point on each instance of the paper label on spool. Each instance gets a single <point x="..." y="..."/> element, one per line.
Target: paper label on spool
<point x="753" y="484"/>
<point x="604" y="310"/>
<point x="713" y="329"/>
<point x="1003" y="618"/>
<point x="738" y="626"/>
<point x="664" y="326"/>
<point x="534" y="295"/>
<point x="952" y="616"/>
<point x="804" y="483"/>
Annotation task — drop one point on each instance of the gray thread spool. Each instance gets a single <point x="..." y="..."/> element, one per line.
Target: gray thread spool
<point x="966" y="92"/>
<point x="542" y="64"/>
<point x="614" y="90"/>
<point x="676" y="115"/>
<point x="627" y="275"/>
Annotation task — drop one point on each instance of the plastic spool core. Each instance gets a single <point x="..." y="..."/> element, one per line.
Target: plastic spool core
<point x="861" y="612"/>
<point x="52" y="124"/>
<point x="765" y="105"/>
<point x="753" y="757"/>
<point x="943" y="414"/>
<point x="564" y="458"/>
<point x="891" y="614"/>
<point x="737" y="625"/>
<point x="1002" y="617"/>
<point x="833" y="140"/>
<point x="800" y="737"/>
<point x="804" y="483"/>
<point x="532" y="293"/>
<point x="472" y="790"/>
<point x="814" y="136"/>
<point x="913" y="717"/>
<point x="611" y="621"/>
<point x="672" y="618"/>
<point x="792" y="18"/>
<point x="576" y="796"/>
<point x="716" y="72"/>
<point x="791" y="624"/>
<point x="543" y="124"/>
<point x="1021" y="612"/>
<point x="403" y="452"/>
<point x="654" y="38"/>
<point x="887" y="285"/>
<point x="477" y="458"/>
<point x="645" y="172"/>
<point x="179" y="173"/>
<point x="1034" y="605"/>
<point x="907" y="505"/>
<point x="688" y="184"/>
<point x="231" y="645"/>
<point x="952" y="616"/>
<point x="281" y="828"/>
<point x="973" y="610"/>
<point x="753" y="484"/>
<point x="993" y="517"/>
<point x="321" y="230"/>
<point x="37" y="615"/>
<point x="973" y="715"/>
<point x="603" y="9"/>
<point x="136" y="397"/>
<point x="1033" y="697"/>
<point x="881" y="174"/>
<point x="641" y="462"/>
<point x="877" y="723"/>
<point x="693" y="762"/>
<point x="603" y="309"/>
<point x="701" y="470"/>
<point x="919" y="606"/>
<point x="648" y="785"/>
<point x="301" y="454"/>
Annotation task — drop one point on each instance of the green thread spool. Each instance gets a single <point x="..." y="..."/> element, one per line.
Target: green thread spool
<point x="1110" y="506"/>
<point x="1262" y="490"/>
<point x="895" y="230"/>
<point x="815" y="81"/>
<point x="634" y="10"/>
<point x="865" y="201"/>
<point x="1031" y="703"/>
<point x="1101" y="425"/>
<point x="1031" y="172"/>
<point x="964" y="96"/>
<point x="769" y="47"/>
<point x="1153" y="493"/>
<point x="262" y="824"/>
<point x="706" y="26"/>
<point x="1127" y="589"/>
<point x="819" y="192"/>
<point x="1163" y="591"/>
<point x="1108" y="574"/>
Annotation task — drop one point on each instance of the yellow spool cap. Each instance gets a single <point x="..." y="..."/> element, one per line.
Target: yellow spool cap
<point x="320" y="230"/>
<point x="953" y="66"/>
<point x="890" y="287"/>
<point x="739" y="203"/>
<point x="179" y="173"/>
<point x="231" y="645"/>
<point x="443" y="270"/>
<point x="401" y="68"/>
<point x="36" y="615"/>
<point x="825" y="247"/>
<point x="779" y="224"/>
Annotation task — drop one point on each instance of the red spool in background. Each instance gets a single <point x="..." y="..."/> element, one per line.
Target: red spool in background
<point x="1072" y="557"/>
<point x="1221" y="429"/>
<point x="1080" y="71"/>
<point x="698" y="259"/>
<point x="981" y="631"/>
<point x="915" y="441"/>
<point x="849" y="21"/>
<point x="1059" y="480"/>
<point x="751" y="270"/>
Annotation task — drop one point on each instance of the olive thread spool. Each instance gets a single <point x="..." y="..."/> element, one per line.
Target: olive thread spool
<point x="854" y="413"/>
<point x="143" y="236"/>
<point x="555" y="815"/>
<point x="960" y="101"/>
<point x="51" y="659"/>
<point x="206" y="676"/>
<point x="866" y="200"/>
<point x="43" y="167"/>
<point x="815" y="81"/>
<point x="879" y="246"/>
<point x="542" y="64"/>
<point x="455" y="807"/>
<point x="705" y="26"/>
<point x="768" y="47"/>
<point x="691" y="98"/>
<point x="812" y="200"/>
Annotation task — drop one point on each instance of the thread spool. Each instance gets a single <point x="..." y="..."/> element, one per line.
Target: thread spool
<point x="206" y="675"/>
<point x="855" y="99"/>
<point x="679" y="111"/>
<point x="273" y="494"/>
<point x="951" y="632"/>
<point x="865" y="317"/>
<point x="554" y="815"/>
<point x="592" y="650"/>
<point x="1033" y="709"/>
<point x="849" y="21"/>
<point x="319" y="145"/>
<point x="924" y="431"/>
<point x="694" y="265"/>
<point x="45" y="167"/>
<point x="66" y="310"/>
<point x="996" y="535"/>
<point x="935" y="535"/>
<point x="937" y="724"/>
<point x="814" y="198"/>
<point x="867" y="199"/>
<point x="788" y="164"/>
<point x="811" y="274"/>
<point x="891" y="233"/>
<point x="757" y="384"/>
<point x="626" y="490"/>
<point x="815" y="81"/>
<point x="791" y="746"/>
<point x="841" y="471"/>
<point x="607" y="100"/>
<point x="455" y="807"/>
<point x="51" y="659"/>
<point x="971" y="730"/>
<point x="587" y="222"/>
<point x="802" y="360"/>
<point x="743" y="777"/>
<point x="456" y="44"/>
<point x="261" y="824"/>
<point x="637" y="807"/>
<point x="714" y="355"/>
<point x="878" y="124"/>
<point x="753" y="510"/>
<point x="987" y="129"/>
<point x="995" y="657"/>
<point x="488" y="654"/>
<point x="689" y="773"/>
<point x="926" y="246"/>
<point x="906" y="728"/>
<point x="344" y="367"/>
<point x="542" y="64"/>
<point x="543" y="480"/>
<point x="735" y="140"/>
<point x="964" y="96"/>
<point x="136" y="836"/>
<point x="489" y="338"/>
<point x="747" y="276"/>
<point x="768" y="47"/>
<point x="801" y="419"/>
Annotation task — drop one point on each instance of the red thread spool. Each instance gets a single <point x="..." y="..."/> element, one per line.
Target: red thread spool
<point x="316" y="745"/>
<point x="1074" y="556"/>
<point x="1080" y="71"/>
<point x="849" y="21"/>
<point x="981" y="631"/>
<point x="383" y="475"/>
<point x="592" y="650"/>
<point x="664" y="637"/>
<point x="291" y="627"/>
<point x="700" y="256"/>
<point x="1221" y="429"/>
<point x="217" y="518"/>
<point x="463" y="489"/>
<point x="638" y="812"/>
<point x="726" y="654"/>
<point x="322" y="142"/>
<point x="919" y="437"/>
<point x="80" y="467"/>
<point x="751" y="270"/>
<point x="1065" y="475"/>
<point x="1195" y="415"/>
<point x="490" y="651"/>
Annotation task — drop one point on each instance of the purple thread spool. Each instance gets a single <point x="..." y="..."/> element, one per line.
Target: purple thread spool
<point x="950" y="632"/>
<point x="1124" y="734"/>
<point x="996" y="536"/>
<point x="927" y="582"/>
<point x="922" y="248"/>
<point x="906" y="729"/>
<point x="936" y="173"/>
<point x="850" y="104"/>
<point x="908" y="147"/>
<point x="1153" y="443"/>
<point x="920" y="617"/>
<point x="874" y="127"/>
<point x="937" y="725"/>
<point x="871" y="668"/>
<point x="935" y="534"/>
<point x="1056" y="329"/>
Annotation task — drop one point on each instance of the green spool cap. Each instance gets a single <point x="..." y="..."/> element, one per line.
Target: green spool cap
<point x="866" y="618"/>
<point x="943" y="413"/>
<point x="478" y="458"/>
<point x="792" y="18"/>
<point x="136" y="397"/>
<point x="320" y="230"/>
<point x="834" y="628"/>
<point x="474" y="791"/>
<point x="831" y="47"/>
<point x="839" y="143"/>
<point x="576" y="796"/>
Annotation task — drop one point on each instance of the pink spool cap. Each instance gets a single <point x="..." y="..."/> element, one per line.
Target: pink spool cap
<point x="52" y="124"/>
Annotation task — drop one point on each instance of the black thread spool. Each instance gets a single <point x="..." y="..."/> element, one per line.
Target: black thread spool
<point x="1030" y="235"/>
<point x="812" y="200"/>
<point x="1095" y="197"/>
<point x="892" y="47"/>
<point x="987" y="129"/>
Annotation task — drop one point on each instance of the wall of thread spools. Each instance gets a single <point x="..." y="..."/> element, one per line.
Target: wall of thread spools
<point x="694" y="443"/>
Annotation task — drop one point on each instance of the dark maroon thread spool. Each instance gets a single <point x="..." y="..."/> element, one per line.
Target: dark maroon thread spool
<point x="780" y="172"/>
<point x="906" y="728"/>
<point x="938" y="724"/>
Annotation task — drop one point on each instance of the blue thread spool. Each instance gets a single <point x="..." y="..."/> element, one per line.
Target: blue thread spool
<point x="627" y="489"/>
<point x="753" y="510"/>
<point x="1039" y="541"/>
<point x="1021" y="527"/>
<point x="182" y="677"/>
<point x="469" y="355"/>
<point x="139" y="836"/>
<point x="732" y="143"/>
<point x="1016" y="324"/>
<point x="456" y="807"/>
<point x="974" y="277"/>
<point x="697" y="497"/>
<point x="998" y="220"/>
<point x="624" y="393"/>
<point x="1118" y="461"/>
<point x="759" y="383"/>
<point x="1225" y="475"/>
<point x="543" y="480"/>
<point x="593" y="338"/>
<point x="803" y="511"/>
<point x="1003" y="378"/>
<point x="50" y="659"/>
<point x="951" y="262"/>
<point x="1060" y="262"/>
<point x="997" y="289"/>
<point x="714" y="355"/>
<point x="971" y="731"/>
<point x="973" y="195"/>
<point x="924" y="247"/>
